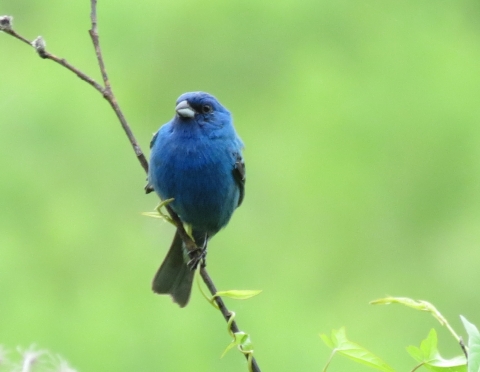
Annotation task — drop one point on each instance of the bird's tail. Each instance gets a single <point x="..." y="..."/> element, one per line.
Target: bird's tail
<point x="174" y="277"/>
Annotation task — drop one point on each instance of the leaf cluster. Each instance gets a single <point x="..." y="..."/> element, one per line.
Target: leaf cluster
<point x="426" y="355"/>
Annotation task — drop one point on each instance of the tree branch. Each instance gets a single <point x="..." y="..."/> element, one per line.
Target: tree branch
<point x="6" y="25"/>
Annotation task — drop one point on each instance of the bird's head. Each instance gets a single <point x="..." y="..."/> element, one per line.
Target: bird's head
<point x="201" y="108"/>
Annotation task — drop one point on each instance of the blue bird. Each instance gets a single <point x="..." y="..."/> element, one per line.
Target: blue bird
<point x="196" y="159"/>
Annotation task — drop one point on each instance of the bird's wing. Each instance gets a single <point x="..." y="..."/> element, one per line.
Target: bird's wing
<point x="149" y="188"/>
<point x="240" y="176"/>
<point x="155" y="135"/>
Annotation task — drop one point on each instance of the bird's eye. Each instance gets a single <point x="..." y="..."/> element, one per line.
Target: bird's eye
<point x="207" y="109"/>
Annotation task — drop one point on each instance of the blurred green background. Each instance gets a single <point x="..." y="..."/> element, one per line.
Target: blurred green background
<point x="361" y="125"/>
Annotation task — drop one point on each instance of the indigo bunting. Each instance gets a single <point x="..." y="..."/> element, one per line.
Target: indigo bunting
<point x="196" y="159"/>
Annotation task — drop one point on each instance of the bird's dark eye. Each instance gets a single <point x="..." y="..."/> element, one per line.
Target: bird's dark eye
<point x="207" y="109"/>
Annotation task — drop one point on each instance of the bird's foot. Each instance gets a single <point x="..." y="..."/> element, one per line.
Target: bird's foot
<point x="197" y="256"/>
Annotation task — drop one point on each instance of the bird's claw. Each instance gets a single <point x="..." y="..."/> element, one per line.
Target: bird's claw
<point x="197" y="256"/>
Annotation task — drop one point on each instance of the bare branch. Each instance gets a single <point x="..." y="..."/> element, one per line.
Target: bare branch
<point x="39" y="44"/>
<point x="107" y="91"/>
<point x="96" y="44"/>
<point x="6" y="23"/>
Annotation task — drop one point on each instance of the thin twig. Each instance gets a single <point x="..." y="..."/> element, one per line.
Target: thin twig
<point x="96" y="44"/>
<point x="108" y="93"/>
<point x="208" y="281"/>
<point x="40" y="46"/>
<point x="225" y="312"/>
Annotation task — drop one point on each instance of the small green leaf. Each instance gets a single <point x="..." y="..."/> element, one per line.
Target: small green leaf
<point x="418" y="305"/>
<point x="428" y="346"/>
<point x="429" y="356"/>
<point x="243" y="341"/>
<point x="230" y="346"/>
<point x="473" y="345"/>
<point x="238" y="294"/>
<point x="159" y="214"/>
<point x="415" y="352"/>
<point x="327" y="341"/>
<point x="153" y="214"/>
<point x="340" y="344"/>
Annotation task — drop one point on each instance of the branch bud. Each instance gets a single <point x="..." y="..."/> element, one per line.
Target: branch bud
<point x="6" y="23"/>
<point x="39" y="44"/>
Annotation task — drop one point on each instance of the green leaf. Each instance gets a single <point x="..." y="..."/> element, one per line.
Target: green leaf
<point x="243" y="341"/>
<point x="473" y="345"/>
<point x="418" y="305"/>
<point x="238" y="294"/>
<point x="414" y="304"/>
<point x="428" y="347"/>
<point x="327" y="341"/>
<point x="228" y="348"/>
<point x="429" y="356"/>
<point x="340" y="344"/>
<point x="158" y="211"/>
<point x="415" y="352"/>
<point x="153" y="214"/>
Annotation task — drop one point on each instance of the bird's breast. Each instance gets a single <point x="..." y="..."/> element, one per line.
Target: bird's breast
<point x="198" y="175"/>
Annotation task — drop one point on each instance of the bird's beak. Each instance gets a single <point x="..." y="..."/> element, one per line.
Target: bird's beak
<point x="185" y="110"/>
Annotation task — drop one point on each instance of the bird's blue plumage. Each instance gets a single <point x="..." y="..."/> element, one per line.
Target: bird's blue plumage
<point x="196" y="158"/>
